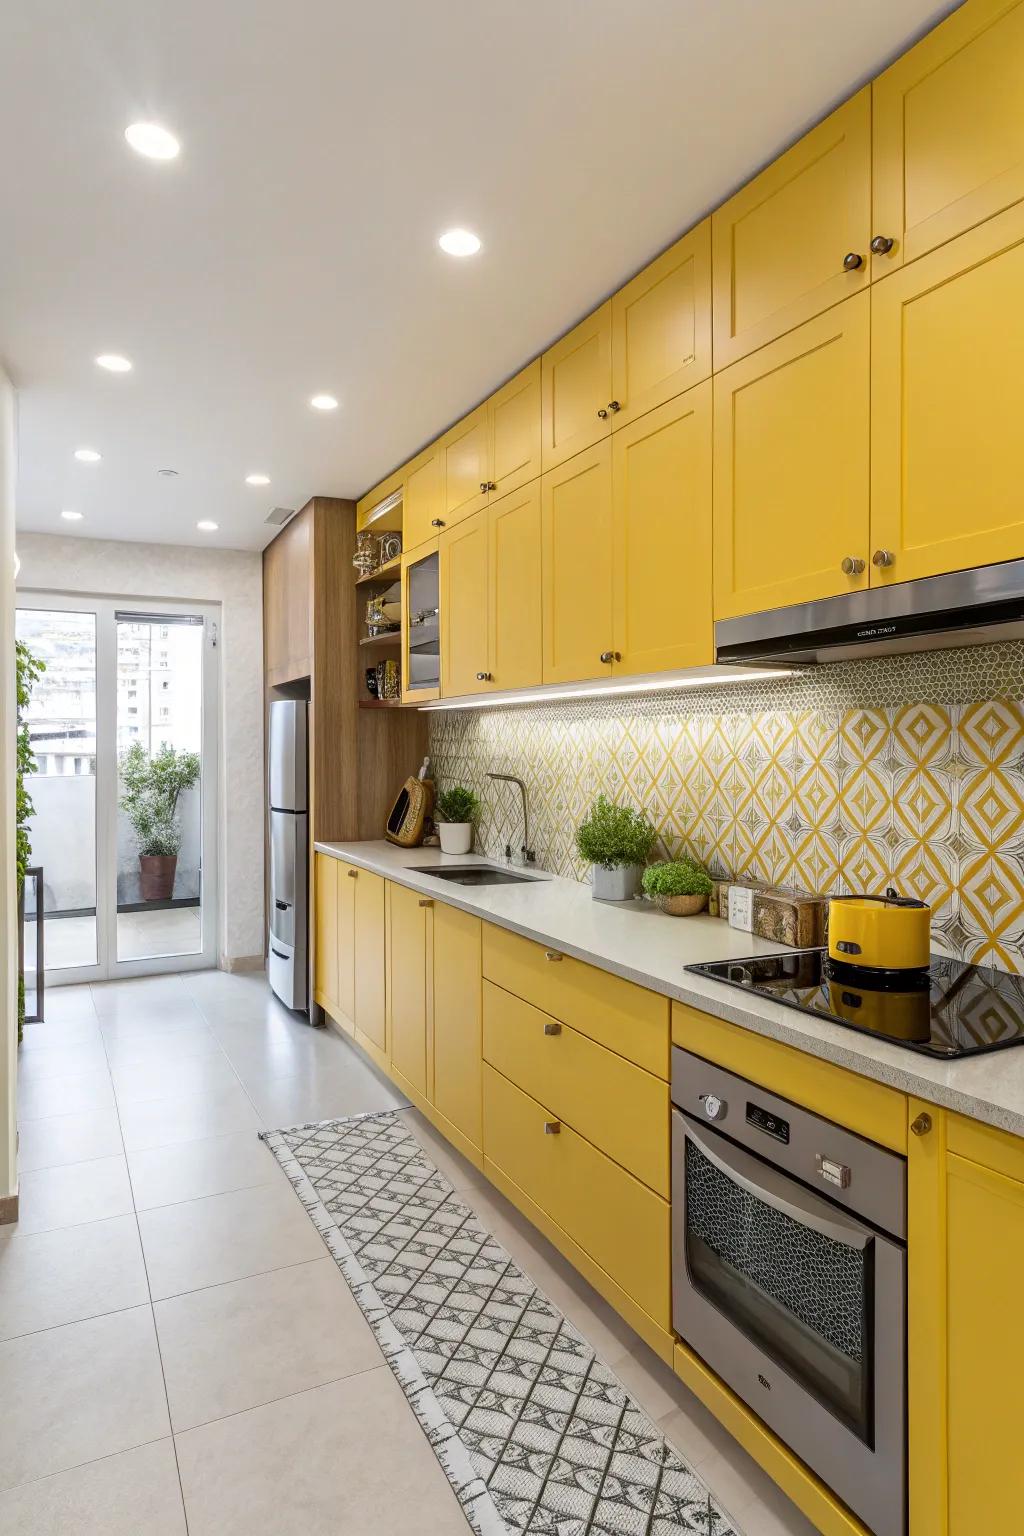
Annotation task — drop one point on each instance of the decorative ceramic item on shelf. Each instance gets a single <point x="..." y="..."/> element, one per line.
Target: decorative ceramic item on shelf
<point x="389" y="680"/>
<point x="371" y="682"/>
<point x="455" y="812"/>
<point x="367" y="552"/>
<point x="679" y="887"/>
<point x="390" y="547"/>
<point x="617" y="841"/>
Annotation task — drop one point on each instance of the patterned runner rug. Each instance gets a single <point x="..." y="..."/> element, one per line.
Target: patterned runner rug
<point x="535" y="1434"/>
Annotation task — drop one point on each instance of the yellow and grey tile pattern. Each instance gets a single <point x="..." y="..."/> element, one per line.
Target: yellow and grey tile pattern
<point x="906" y="771"/>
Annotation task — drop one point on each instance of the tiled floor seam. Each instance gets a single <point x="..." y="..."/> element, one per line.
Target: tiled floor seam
<point x="92" y="1461"/>
<point x="282" y="1397"/>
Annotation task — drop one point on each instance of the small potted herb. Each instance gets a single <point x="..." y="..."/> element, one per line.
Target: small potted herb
<point x="680" y="887"/>
<point x="455" y="812"/>
<point x="617" y="841"/>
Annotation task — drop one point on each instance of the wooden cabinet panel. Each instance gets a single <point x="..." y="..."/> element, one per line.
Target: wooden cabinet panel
<point x="514" y="428"/>
<point x="779" y="244"/>
<point x="514" y="597"/>
<point x="947" y="447"/>
<point x="457" y="1021"/>
<point x="948" y="131"/>
<point x="368" y="958"/>
<point x="576" y="388"/>
<point x="464" y="617"/>
<point x="614" y="1218"/>
<point x="661" y="522"/>
<point x="465" y="466"/>
<point x="576" y="560"/>
<point x="287" y="602"/>
<point x="791" y="465"/>
<point x="325" y="896"/>
<point x="423" y="498"/>
<point x="661" y="328"/>
<point x="407" y="994"/>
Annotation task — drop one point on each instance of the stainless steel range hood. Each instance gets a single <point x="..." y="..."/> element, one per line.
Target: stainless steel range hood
<point x="934" y="613"/>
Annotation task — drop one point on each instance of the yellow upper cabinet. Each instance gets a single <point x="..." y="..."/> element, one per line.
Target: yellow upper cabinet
<point x="514" y="589"/>
<point x="661" y="525"/>
<point x="576" y="561"/>
<point x="465" y="466"/>
<point x="947" y="454"/>
<point x="949" y="131"/>
<point x="576" y="389"/>
<point x="465" y="635"/>
<point x="423" y="502"/>
<point x="795" y="240"/>
<point x="661" y="328"/>
<point x="514" y="432"/>
<point x="791" y="466"/>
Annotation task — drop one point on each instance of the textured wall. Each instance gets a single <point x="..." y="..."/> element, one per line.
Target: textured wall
<point x="906" y="770"/>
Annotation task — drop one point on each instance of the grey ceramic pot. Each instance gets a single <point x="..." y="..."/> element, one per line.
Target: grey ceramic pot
<point x="619" y="884"/>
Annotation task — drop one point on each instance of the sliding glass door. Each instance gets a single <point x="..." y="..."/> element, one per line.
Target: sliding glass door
<point x="123" y="726"/>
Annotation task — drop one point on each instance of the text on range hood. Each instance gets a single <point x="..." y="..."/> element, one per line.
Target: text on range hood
<point x="933" y="613"/>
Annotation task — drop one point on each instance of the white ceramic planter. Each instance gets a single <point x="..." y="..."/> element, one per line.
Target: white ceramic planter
<point x="456" y="836"/>
<point x="619" y="884"/>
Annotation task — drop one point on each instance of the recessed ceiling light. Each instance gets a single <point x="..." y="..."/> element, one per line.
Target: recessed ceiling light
<point x="151" y="140"/>
<point x="257" y="479"/>
<point x="113" y="362"/>
<point x="72" y="517"/>
<point x="206" y="526"/>
<point x="459" y="242"/>
<point x="87" y="455"/>
<point x="324" y="403"/>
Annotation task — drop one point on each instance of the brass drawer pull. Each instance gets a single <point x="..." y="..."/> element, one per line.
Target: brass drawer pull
<point x="552" y="954"/>
<point x="552" y="1127"/>
<point x="883" y="558"/>
<point x="603" y="413"/>
<point x="922" y="1125"/>
<point x="426" y="901"/>
<point x="353" y="874"/>
<point x="551" y="1028"/>
<point x="881" y="245"/>
<point x="852" y="565"/>
<point x="437" y="522"/>
<point x="852" y="260"/>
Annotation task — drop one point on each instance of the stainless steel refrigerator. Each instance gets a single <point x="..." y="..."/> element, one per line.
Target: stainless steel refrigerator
<point x="288" y="948"/>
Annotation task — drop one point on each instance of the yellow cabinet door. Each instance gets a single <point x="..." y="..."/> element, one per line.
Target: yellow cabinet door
<point x="346" y="993"/>
<point x="661" y="328"/>
<point x="791" y="466"/>
<point x="422" y="507"/>
<point x="514" y="431"/>
<point x="795" y="240"/>
<point x="464" y="628"/>
<point x="576" y="389"/>
<point x="407" y="993"/>
<point x="466" y="466"/>
<point x="325" y="968"/>
<point x="946" y="393"/>
<point x="368" y="958"/>
<point x="457" y="1022"/>
<point x="661" y="521"/>
<point x="576" y="561"/>
<point x="514" y="588"/>
<point x="948" y="131"/>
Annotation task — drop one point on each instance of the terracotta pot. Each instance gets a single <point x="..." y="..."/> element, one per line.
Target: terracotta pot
<point x="158" y="871"/>
<point x="681" y="906"/>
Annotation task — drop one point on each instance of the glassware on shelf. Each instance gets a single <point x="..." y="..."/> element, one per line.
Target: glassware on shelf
<point x="367" y="552"/>
<point x="389" y="680"/>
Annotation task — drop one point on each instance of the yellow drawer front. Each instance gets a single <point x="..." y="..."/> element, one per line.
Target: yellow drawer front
<point x="614" y="1218"/>
<point x="626" y="1018"/>
<point x="614" y="1104"/>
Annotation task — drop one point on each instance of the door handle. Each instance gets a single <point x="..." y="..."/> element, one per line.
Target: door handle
<point x="552" y="1128"/>
<point x="278" y="953"/>
<point x="282" y="906"/>
<point x="552" y="1028"/>
<point x="426" y="902"/>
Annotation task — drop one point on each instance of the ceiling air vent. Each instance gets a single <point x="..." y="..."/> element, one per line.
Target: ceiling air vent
<point x="280" y="515"/>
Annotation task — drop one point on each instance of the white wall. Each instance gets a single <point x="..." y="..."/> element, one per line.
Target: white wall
<point x="234" y="579"/>
<point x="8" y="907"/>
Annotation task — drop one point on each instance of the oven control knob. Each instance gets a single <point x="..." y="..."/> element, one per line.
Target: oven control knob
<point x="714" y="1107"/>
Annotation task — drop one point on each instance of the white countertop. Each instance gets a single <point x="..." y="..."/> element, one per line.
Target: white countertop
<point x="635" y="940"/>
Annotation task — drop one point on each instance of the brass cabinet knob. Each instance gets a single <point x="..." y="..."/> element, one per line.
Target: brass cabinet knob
<point x="552" y="1127"/>
<point x="881" y="245"/>
<point x="883" y="558"/>
<point x="607" y="656"/>
<point x="603" y="413"/>
<point x="483" y="677"/>
<point x="483" y="485"/>
<point x="492" y="485"/>
<point x="613" y="406"/>
<point x="552" y="1028"/>
<point x="552" y="954"/>
<point x="852" y="565"/>
<point x="852" y="260"/>
<point x="425" y="901"/>
<point x="922" y="1125"/>
<point x="437" y="522"/>
<point x="353" y="874"/>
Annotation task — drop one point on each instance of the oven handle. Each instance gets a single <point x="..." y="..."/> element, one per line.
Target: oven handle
<point x="778" y="1189"/>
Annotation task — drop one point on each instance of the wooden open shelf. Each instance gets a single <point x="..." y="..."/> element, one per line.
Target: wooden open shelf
<point x="382" y="704"/>
<point x="385" y="574"/>
<point x="393" y="637"/>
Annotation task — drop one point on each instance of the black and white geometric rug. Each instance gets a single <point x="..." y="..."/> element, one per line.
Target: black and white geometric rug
<point x="535" y="1433"/>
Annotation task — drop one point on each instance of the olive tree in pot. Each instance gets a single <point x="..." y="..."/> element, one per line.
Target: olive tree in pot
<point x="617" y="841"/>
<point x="150" y="786"/>
<point x="455" y="812"/>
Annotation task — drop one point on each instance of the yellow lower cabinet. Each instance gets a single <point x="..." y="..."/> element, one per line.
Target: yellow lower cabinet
<point x="576" y="526"/>
<point x="325" y="965"/>
<point x="368" y="961"/>
<point x="457" y="1025"/>
<point x="409" y="935"/>
<point x="621" y="1224"/>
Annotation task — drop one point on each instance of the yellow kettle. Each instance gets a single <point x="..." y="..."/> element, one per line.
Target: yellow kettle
<point x="881" y="933"/>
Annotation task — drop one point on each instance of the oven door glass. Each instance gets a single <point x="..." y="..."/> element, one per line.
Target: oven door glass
<point x="792" y="1271"/>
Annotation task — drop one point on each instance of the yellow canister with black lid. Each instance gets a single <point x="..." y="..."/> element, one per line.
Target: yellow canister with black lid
<point x="880" y="933"/>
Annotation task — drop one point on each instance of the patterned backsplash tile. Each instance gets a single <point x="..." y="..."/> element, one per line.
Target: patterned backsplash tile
<point x="904" y="770"/>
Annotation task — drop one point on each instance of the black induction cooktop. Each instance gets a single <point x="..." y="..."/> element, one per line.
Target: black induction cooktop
<point x="949" y="1010"/>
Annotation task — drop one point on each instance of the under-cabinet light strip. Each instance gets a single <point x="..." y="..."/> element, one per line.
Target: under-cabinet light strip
<point x="663" y="684"/>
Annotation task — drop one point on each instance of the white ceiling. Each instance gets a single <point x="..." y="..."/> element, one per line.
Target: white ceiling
<point x="292" y="246"/>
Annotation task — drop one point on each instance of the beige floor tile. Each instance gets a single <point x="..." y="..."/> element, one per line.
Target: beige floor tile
<point x="194" y="1117"/>
<point x="190" y="1170"/>
<point x="51" y="1278"/>
<point x="135" y="1493"/>
<point x="140" y="1082"/>
<point x="457" y="1170"/>
<point x="62" y="1139"/>
<point x="226" y="1237"/>
<point x="654" y="1384"/>
<point x="64" y="1004"/>
<point x="169" y="1027"/>
<point x="42" y="1062"/>
<point x="287" y="1101"/>
<point x="113" y="999"/>
<point x="74" y="1193"/>
<point x="775" y="1516"/>
<point x="347" y="1459"/>
<point x="695" y="1433"/>
<point x="232" y="1347"/>
<point x="76" y="1393"/>
<point x="736" y="1481"/>
<point x="163" y="1047"/>
<point x="68" y="1094"/>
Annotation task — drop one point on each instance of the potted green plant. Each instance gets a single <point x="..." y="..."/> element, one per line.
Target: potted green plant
<point x="617" y="841"/>
<point x="680" y="887"/>
<point x="455" y="812"/>
<point x="150" y="786"/>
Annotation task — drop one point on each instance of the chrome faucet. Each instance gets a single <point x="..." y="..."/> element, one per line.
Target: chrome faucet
<point x="529" y="857"/>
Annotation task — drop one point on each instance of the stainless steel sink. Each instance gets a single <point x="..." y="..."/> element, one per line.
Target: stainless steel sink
<point x="473" y="874"/>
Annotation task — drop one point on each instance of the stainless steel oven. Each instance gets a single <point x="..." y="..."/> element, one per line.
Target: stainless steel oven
<point x="789" y="1278"/>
